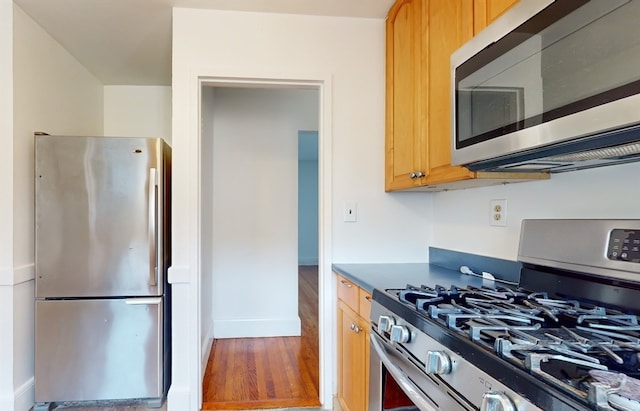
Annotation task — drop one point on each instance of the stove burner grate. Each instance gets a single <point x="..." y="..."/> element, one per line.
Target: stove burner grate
<point x="560" y="341"/>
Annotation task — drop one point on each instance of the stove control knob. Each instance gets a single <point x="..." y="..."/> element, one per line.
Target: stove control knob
<point x="400" y="334"/>
<point x="496" y="401"/>
<point x="385" y="322"/>
<point x="438" y="362"/>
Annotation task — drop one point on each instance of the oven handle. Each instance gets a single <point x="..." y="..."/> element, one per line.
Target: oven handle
<point x="409" y="388"/>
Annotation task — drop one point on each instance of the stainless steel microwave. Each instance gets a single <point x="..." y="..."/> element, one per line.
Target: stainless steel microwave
<point x="549" y="86"/>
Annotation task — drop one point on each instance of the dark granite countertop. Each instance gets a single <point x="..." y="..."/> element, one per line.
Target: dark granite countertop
<point x="370" y="276"/>
<point x="443" y="269"/>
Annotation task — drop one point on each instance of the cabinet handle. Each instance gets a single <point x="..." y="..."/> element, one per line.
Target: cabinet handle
<point x="346" y="283"/>
<point x="355" y="328"/>
<point x="413" y="175"/>
<point x="419" y="174"/>
<point x="367" y="297"/>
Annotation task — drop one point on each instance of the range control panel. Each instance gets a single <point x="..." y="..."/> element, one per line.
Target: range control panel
<point x="624" y="245"/>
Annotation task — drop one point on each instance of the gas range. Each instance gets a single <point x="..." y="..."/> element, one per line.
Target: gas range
<point x="565" y="338"/>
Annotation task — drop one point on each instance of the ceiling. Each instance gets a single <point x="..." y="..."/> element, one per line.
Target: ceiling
<point x="128" y="42"/>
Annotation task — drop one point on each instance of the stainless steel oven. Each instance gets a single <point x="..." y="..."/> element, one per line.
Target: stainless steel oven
<point x="566" y="338"/>
<point x="409" y="371"/>
<point x="398" y="382"/>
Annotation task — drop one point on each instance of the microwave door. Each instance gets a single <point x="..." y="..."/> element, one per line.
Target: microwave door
<point x="545" y="73"/>
<point x="97" y="215"/>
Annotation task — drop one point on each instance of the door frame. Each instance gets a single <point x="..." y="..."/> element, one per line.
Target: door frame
<point x="186" y="305"/>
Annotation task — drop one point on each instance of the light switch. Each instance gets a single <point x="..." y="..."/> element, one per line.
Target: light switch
<point x="350" y="211"/>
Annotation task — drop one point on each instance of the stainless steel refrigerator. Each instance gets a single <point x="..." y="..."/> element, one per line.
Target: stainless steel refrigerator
<point x="102" y="302"/>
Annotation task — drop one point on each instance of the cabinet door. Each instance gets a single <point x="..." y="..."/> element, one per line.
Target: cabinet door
<point x="405" y="94"/>
<point x="486" y="11"/>
<point x="352" y="390"/>
<point x="450" y="26"/>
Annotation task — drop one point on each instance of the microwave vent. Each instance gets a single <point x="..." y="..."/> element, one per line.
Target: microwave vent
<point x="621" y="151"/>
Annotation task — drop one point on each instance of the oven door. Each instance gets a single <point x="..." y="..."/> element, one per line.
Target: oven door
<point x="397" y="383"/>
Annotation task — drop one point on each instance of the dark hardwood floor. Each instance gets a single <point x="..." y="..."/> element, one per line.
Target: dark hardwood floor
<point x="275" y="372"/>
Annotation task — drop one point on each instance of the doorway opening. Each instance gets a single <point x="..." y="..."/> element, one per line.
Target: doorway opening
<point x="251" y="276"/>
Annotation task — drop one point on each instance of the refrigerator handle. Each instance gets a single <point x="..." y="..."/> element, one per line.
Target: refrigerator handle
<point x="153" y="222"/>
<point x="143" y="301"/>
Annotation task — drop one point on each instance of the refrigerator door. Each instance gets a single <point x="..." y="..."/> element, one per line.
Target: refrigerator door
<point x="99" y="216"/>
<point x="89" y="350"/>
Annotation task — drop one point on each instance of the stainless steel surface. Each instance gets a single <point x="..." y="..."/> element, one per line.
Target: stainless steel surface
<point x="612" y="115"/>
<point x="102" y="253"/>
<point x="574" y="315"/>
<point x="565" y="250"/>
<point x="89" y="350"/>
<point x="412" y="391"/>
<point x="465" y="384"/>
<point x="92" y="217"/>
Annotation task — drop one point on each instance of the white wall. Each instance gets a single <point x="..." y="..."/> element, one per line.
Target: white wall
<point x="52" y="92"/>
<point x="461" y="218"/>
<point x="137" y="111"/>
<point x="255" y="208"/>
<point x="348" y="56"/>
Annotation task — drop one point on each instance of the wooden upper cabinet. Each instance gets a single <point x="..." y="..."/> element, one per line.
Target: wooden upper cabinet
<point x="486" y="11"/>
<point x="450" y="26"/>
<point x="406" y="111"/>
<point x="421" y="36"/>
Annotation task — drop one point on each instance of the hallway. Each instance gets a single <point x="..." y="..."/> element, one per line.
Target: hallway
<point x="275" y="372"/>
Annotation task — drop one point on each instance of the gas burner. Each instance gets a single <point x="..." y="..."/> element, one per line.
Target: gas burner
<point x="562" y="341"/>
<point x="420" y="296"/>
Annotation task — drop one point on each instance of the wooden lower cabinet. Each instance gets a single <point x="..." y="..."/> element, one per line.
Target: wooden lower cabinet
<point x="353" y="346"/>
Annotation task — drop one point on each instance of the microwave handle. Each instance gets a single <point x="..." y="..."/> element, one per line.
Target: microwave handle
<point x="409" y="388"/>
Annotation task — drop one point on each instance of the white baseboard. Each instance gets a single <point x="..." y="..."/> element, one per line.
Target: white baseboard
<point x="285" y="327"/>
<point x="179" y="398"/>
<point x="21" y="399"/>
<point x="24" y="395"/>
<point x="207" y="342"/>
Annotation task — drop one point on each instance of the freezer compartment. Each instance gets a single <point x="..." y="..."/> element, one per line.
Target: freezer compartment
<point x="92" y="350"/>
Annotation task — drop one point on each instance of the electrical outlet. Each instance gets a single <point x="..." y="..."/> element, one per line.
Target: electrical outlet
<point x="498" y="216"/>
<point x="350" y="211"/>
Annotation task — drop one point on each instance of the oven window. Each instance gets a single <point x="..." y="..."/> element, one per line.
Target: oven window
<point x="393" y="398"/>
